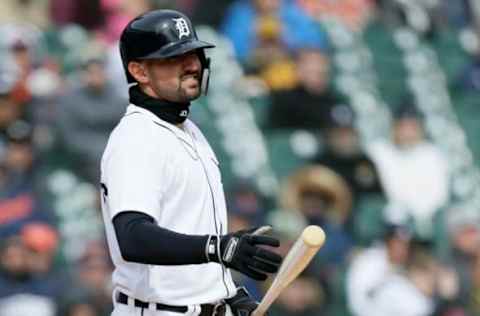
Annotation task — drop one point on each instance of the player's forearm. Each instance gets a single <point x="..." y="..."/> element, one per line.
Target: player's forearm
<point x="142" y="241"/>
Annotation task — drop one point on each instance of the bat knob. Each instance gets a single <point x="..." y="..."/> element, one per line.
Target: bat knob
<point x="313" y="236"/>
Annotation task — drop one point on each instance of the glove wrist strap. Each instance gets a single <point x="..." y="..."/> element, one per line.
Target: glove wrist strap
<point x="212" y="249"/>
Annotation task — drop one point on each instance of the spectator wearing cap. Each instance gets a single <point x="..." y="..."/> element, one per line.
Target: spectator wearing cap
<point x="25" y="290"/>
<point x="19" y="156"/>
<point x="20" y="200"/>
<point x="324" y="199"/>
<point x="41" y="243"/>
<point x="372" y="268"/>
<point x="42" y="240"/>
<point x="87" y="112"/>
<point x="308" y="104"/>
<point x="413" y="171"/>
<point x="344" y="155"/>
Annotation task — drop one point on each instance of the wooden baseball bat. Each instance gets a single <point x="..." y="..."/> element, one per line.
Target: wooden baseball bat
<point x="301" y="253"/>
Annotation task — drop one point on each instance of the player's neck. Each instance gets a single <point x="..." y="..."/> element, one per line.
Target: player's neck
<point x="172" y="112"/>
<point x="180" y="126"/>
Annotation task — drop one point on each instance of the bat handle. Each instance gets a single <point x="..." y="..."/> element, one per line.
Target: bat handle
<point x="264" y="304"/>
<point x="260" y="311"/>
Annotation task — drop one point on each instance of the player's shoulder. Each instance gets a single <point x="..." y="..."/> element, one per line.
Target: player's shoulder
<point x="139" y="125"/>
<point x="135" y="133"/>
<point x="195" y="130"/>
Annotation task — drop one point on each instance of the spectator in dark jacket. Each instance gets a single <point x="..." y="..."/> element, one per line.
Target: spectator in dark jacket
<point x="87" y="114"/>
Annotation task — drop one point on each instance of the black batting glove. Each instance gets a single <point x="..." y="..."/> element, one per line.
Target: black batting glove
<point x="242" y="304"/>
<point x="242" y="251"/>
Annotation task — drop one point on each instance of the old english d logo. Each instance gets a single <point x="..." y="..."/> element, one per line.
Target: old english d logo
<point x="182" y="27"/>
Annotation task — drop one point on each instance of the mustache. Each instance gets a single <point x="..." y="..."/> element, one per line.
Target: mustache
<point x="191" y="74"/>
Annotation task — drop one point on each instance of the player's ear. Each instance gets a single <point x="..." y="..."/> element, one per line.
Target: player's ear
<point x="138" y="71"/>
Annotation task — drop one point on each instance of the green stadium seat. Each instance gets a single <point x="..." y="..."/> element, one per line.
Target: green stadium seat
<point x="282" y="156"/>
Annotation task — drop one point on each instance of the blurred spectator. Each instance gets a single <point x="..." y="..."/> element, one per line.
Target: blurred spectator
<point x="473" y="305"/>
<point x="353" y="13"/>
<point x="86" y="13"/>
<point x="10" y="111"/>
<point x="79" y="302"/>
<point x="373" y="267"/>
<point x="303" y="297"/>
<point x="344" y="155"/>
<point x="20" y="200"/>
<point x="308" y="105"/>
<point x="324" y="199"/>
<point x="459" y="13"/>
<point x="14" y="265"/>
<point x="19" y="156"/>
<point x="465" y="240"/>
<point x="410" y="166"/>
<point x="117" y="14"/>
<point x="25" y="11"/>
<point x="93" y="273"/>
<point x="41" y="243"/>
<point x="25" y="287"/>
<point x="470" y="77"/>
<point x="87" y="113"/>
<point x="270" y="59"/>
<point x="27" y="304"/>
<point x="244" y="18"/>
<point x="10" y="108"/>
<point x="408" y="294"/>
<point x="245" y="207"/>
<point x="436" y="284"/>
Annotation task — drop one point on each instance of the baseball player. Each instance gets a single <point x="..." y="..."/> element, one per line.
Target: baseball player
<point x="162" y="197"/>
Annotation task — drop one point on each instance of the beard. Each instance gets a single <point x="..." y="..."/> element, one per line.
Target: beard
<point x="189" y="87"/>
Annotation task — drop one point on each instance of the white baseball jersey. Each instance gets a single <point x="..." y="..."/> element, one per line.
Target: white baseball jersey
<point x="171" y="174"/>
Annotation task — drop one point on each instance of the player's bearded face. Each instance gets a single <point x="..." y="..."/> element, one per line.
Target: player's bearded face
<point x="176" y="79"/>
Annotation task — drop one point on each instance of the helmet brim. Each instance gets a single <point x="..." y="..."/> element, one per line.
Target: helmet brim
<point x="179" y="48"/>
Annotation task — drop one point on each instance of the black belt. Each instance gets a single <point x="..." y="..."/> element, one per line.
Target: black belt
<point x="206" y="309"/>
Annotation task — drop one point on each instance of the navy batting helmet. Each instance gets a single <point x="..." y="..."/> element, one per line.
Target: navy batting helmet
<point x="161" y="34"/>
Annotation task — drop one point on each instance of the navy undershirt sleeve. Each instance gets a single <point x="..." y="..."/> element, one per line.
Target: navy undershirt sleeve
<point x="141" y="240"/>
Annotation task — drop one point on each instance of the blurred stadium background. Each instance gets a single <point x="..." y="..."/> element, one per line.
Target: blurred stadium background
<point x="358" y="115"/>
